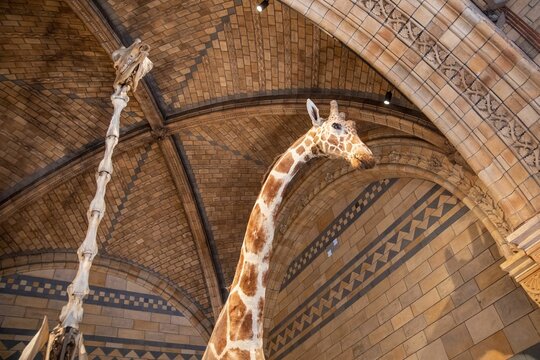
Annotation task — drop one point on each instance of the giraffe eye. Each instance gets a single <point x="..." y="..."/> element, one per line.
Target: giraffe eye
<point x="336" y="126"/>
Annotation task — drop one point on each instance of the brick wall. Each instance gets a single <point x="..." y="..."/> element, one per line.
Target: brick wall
<point x="413" y="274"/>
<point x="122" y="320"/>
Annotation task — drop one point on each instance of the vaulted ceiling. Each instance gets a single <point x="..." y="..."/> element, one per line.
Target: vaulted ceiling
<point x="228" y="86"/>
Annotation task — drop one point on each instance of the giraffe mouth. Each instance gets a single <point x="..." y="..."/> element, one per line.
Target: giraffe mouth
<point x="362" y="161"/>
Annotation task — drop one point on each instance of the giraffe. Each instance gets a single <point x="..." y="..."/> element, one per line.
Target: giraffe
<point x="238" y="333"/>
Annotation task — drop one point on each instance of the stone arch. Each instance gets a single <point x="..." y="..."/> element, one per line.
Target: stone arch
<point x="453" y="64"/>
<point x="411" y="124"/>
<point x="105" y="264"/>
<point x="395" y="158"/>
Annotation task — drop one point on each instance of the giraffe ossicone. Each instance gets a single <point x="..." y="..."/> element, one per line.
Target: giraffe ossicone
<point x="238" y="333"/>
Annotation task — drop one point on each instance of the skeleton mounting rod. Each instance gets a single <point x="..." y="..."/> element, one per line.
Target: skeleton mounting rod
<point x="65" y="340"/>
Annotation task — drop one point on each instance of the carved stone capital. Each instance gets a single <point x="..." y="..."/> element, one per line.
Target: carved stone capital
<point x="526" y="272"/>
<point x="524" y="265"/>
<point x="531" y="284"/>
<point x="527" y="236"/>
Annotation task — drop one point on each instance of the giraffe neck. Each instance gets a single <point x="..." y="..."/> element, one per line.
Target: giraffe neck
<point x="239" y="329"/>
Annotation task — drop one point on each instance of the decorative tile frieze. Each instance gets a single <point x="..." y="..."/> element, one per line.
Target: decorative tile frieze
<point x="435" y="212"/>
<point x="126" y="349"/>
<point x="55" y="289"/>
<point x="485" y="102"/>
<point x="341" y="223"/>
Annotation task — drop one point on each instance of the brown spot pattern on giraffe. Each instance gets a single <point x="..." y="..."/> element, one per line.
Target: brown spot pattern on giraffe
<point x="241" y="319"/>
<point x="219" y="336"/>
<point x="255" y="233"/>
<point x="333" y="140"/>
<point x="285" y="163"/>
<point x="271" y="187"/>
<point x="238" y="269"/>
<point x="260" y="314"/>
<point x="248" y="279"/>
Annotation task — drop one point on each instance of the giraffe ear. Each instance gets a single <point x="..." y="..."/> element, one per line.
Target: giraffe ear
<point x="313" y="112"/>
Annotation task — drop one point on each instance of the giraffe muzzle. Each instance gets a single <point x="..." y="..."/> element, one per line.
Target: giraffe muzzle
<point x="363" y="161"/>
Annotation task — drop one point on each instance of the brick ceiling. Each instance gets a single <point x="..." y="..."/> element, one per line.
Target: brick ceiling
<point x="55" y="84"/>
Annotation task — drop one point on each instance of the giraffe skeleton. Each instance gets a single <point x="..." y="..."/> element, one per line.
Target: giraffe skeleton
<point x="238" y="333"/>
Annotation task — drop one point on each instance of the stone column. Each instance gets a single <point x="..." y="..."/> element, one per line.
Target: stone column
<point x="524" y="265"/>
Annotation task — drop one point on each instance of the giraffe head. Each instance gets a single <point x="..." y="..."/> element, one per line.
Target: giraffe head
<point x="337" y="137"/>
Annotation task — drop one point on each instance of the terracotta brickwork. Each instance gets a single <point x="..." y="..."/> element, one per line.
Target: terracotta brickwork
<point x="55" y="84"/>
<point x="122" y="320"/>
<point x="229" y="51"/>
<point x="160" y="241"/>
<point x="411" y="274"/>
<point x="420" y="238"/>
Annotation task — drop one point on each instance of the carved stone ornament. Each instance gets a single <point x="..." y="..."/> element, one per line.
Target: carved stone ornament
<point x="131" y="64"/>
<point x="526" y="271"/>
<point x="482" y="99"/>
<point x="160" y="133"/>
<point x="455" y="175"/>
<point x="531" y="284"/>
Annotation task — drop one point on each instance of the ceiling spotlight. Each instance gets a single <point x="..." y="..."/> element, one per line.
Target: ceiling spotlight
<point x="262" y="5"/>
<point x="388" y="98"/>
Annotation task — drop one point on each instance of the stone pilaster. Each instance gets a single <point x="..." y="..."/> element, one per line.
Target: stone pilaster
<point x="524" y="265"/>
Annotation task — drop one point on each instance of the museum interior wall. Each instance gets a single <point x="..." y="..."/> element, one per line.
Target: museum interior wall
<point x="433" y="254"/>
<point x="393" y="269"/>
<point x="122" y="318"/>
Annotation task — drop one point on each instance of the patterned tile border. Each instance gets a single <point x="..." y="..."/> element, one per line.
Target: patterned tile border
<point x="128" y="348"/>
<point x="377" y="261"/>
<point x="371" y="193"/>
<point x="55" y="289"/>
<point x="417" y="205"/>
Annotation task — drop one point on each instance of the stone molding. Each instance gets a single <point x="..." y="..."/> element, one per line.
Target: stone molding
<point x="527" y="236"/>
<point x="440" y="56"/>
<point x="395" y="158"/>
<point x="524" y="266"/>
<point x="483" y="100"/>
<point x="456" y="177"/>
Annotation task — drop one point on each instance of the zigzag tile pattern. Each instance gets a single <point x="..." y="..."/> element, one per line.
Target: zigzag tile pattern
<point x="342" y="222"/>
<point x="418" y="225"/>
<point x="129" y="349"/>
<point x="55" y="289"/>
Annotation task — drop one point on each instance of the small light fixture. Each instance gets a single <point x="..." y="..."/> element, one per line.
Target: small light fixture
<point x="387" y="98"/>
<point x="262" y="5"/>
